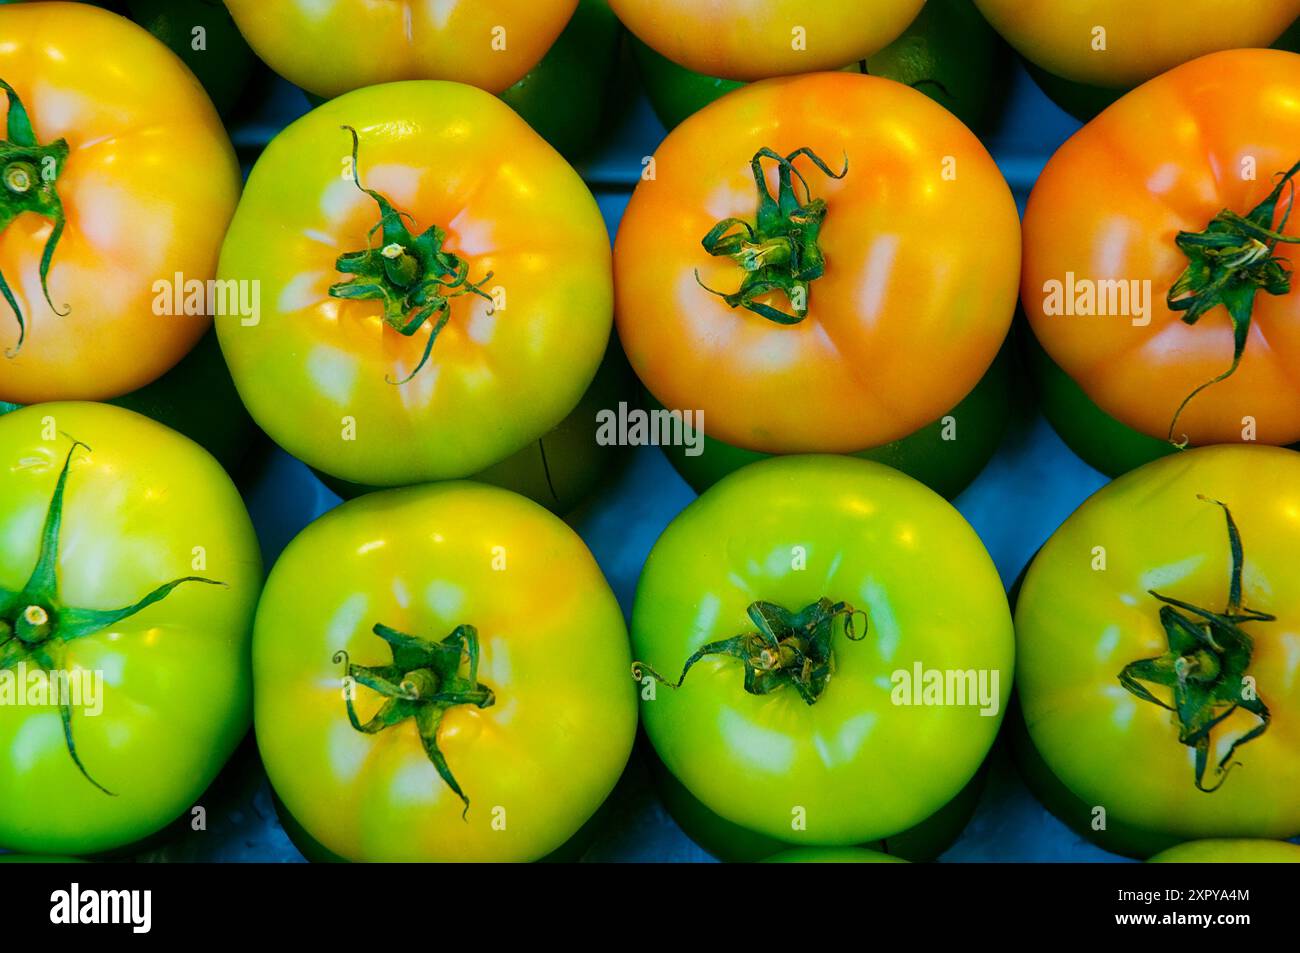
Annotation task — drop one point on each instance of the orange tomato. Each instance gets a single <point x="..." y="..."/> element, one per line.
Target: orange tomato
<point x="1166" y="160"/>
<point x="1120" y="43"/>
<point x="748" y="40"/>
<point x="342" y="45"/>
<point x="126" y="150"/>
<point x="921" y="246"/>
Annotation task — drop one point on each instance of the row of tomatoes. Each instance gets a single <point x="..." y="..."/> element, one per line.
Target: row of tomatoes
<point x="414" y="287"/>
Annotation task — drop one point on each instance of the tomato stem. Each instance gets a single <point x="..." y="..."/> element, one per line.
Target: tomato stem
<point x="1206" y="667"/>
<point x="787" y="648"/>
<point x="411" y="274"/>
<point x="422" y="682"/>
<point x="779" y="253"/>
<point x="35" y="624"/>
<point x="29" y="174"/>
<point x="1228" y="264"/>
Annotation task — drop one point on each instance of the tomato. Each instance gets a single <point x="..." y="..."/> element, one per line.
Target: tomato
<point x="1230" y="852"/>
<point x="945" y="455"/>
<point x="565" y="97"/>
<point x="774" y="38"/>
<point x="441" y="673"/>
<point x="1155" y="276"/>
<point x="117" y="175"/>
<point x="349" y="44"/>
<point x="735" y="844"/>
<point x="1119" y="43"/>
<point x="950" y="53"/>
<point x="129" y="573"/>
<point x="470" y="322"/>
<point x="203" y="34"/>
<point x="792" y="604"/>
<point x="832" y="855"/>
<point x="1174" y="585"/>
<point x="198" y="399"/>
<point x="859" y="309"/>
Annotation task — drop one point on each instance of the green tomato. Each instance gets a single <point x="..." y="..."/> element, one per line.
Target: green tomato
<point x="832" y="855"/>
<point x="950" y="53"/>
<point x="946" y="455"/>
<point x="1230" y="852"/>
<point x="441" y="673"/>
<point x="565" y="96"/>
<point x="198" y="399"/>
<point x="734" y="844"/>
<point x="129" y="572"/>
<point x="204" y="35"/>
<point x="789" y="610"/>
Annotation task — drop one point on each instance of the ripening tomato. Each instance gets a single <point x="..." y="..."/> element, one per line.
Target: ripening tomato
<point x="859" y="299"/>
<point x="743" y="40"/>
<point x="115" y="174"/>
<point x="824" y="648"/>
<point x="441" y="673"/>
<point x="1157" y="265"/>
<point x="434" y="285"/>
<point x="1156" y="662"/>
<point x="1244" y="851"/>
<point x="129" y="573"/>
<point x="1120" y="43"/>
<point x="346" y="44"/>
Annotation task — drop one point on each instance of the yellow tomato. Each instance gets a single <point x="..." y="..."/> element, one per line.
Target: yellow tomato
<point x="339" y="45"/>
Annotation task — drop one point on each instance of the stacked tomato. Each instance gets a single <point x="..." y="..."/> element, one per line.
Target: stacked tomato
<point x="413" y="293"/>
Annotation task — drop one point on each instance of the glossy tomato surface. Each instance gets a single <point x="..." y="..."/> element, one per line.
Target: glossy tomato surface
<point x="534" y="763"/>
<point x="1088" y="612"/>
<point x="1168" y="158"/>
<point x="859" y="762"/>
<point x="1120" y="43"/>
<point x="144" y="182"/>
<point x="746" y="40"/>
<point x="327" y="375"/>
<point x="348" y="44"/>
<point x="142" y="507"/>
<point x="920" y="240"/>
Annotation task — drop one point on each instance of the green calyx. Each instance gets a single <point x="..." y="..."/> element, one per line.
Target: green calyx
<point x="29" y="175"/>
<point x="779" y="252"/>
<point x="1205" y="668"/>
<point x="35" y="623"/>
<point x="423" y="681"/>
<point x="411" y="274"/>
<point x="786" y="648"/>
<point x="1229" y="264"/>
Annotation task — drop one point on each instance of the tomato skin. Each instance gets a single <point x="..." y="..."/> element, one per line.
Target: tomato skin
<point x="1077" y="628"/>
<point x="950" y="53"/>
<point x="756" y="41"/>
<point x="224" y="66"/>
<point x="947" y="465"/>
<point x="147" y="189"/>
<point x="495" y="380"/>
<point x="553" y="649"/>
<point x="1105" y="215"/>
<point x="732" y="843"/>
<point x="177" y="688"/>
<point x="1142" y="39"/>
<point x="1230" y="852"/>
<point x="374" y="43"/>
<point x="939" y="261"/>
<point x="872" y="537"/>
<point x="565" y="97"/>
